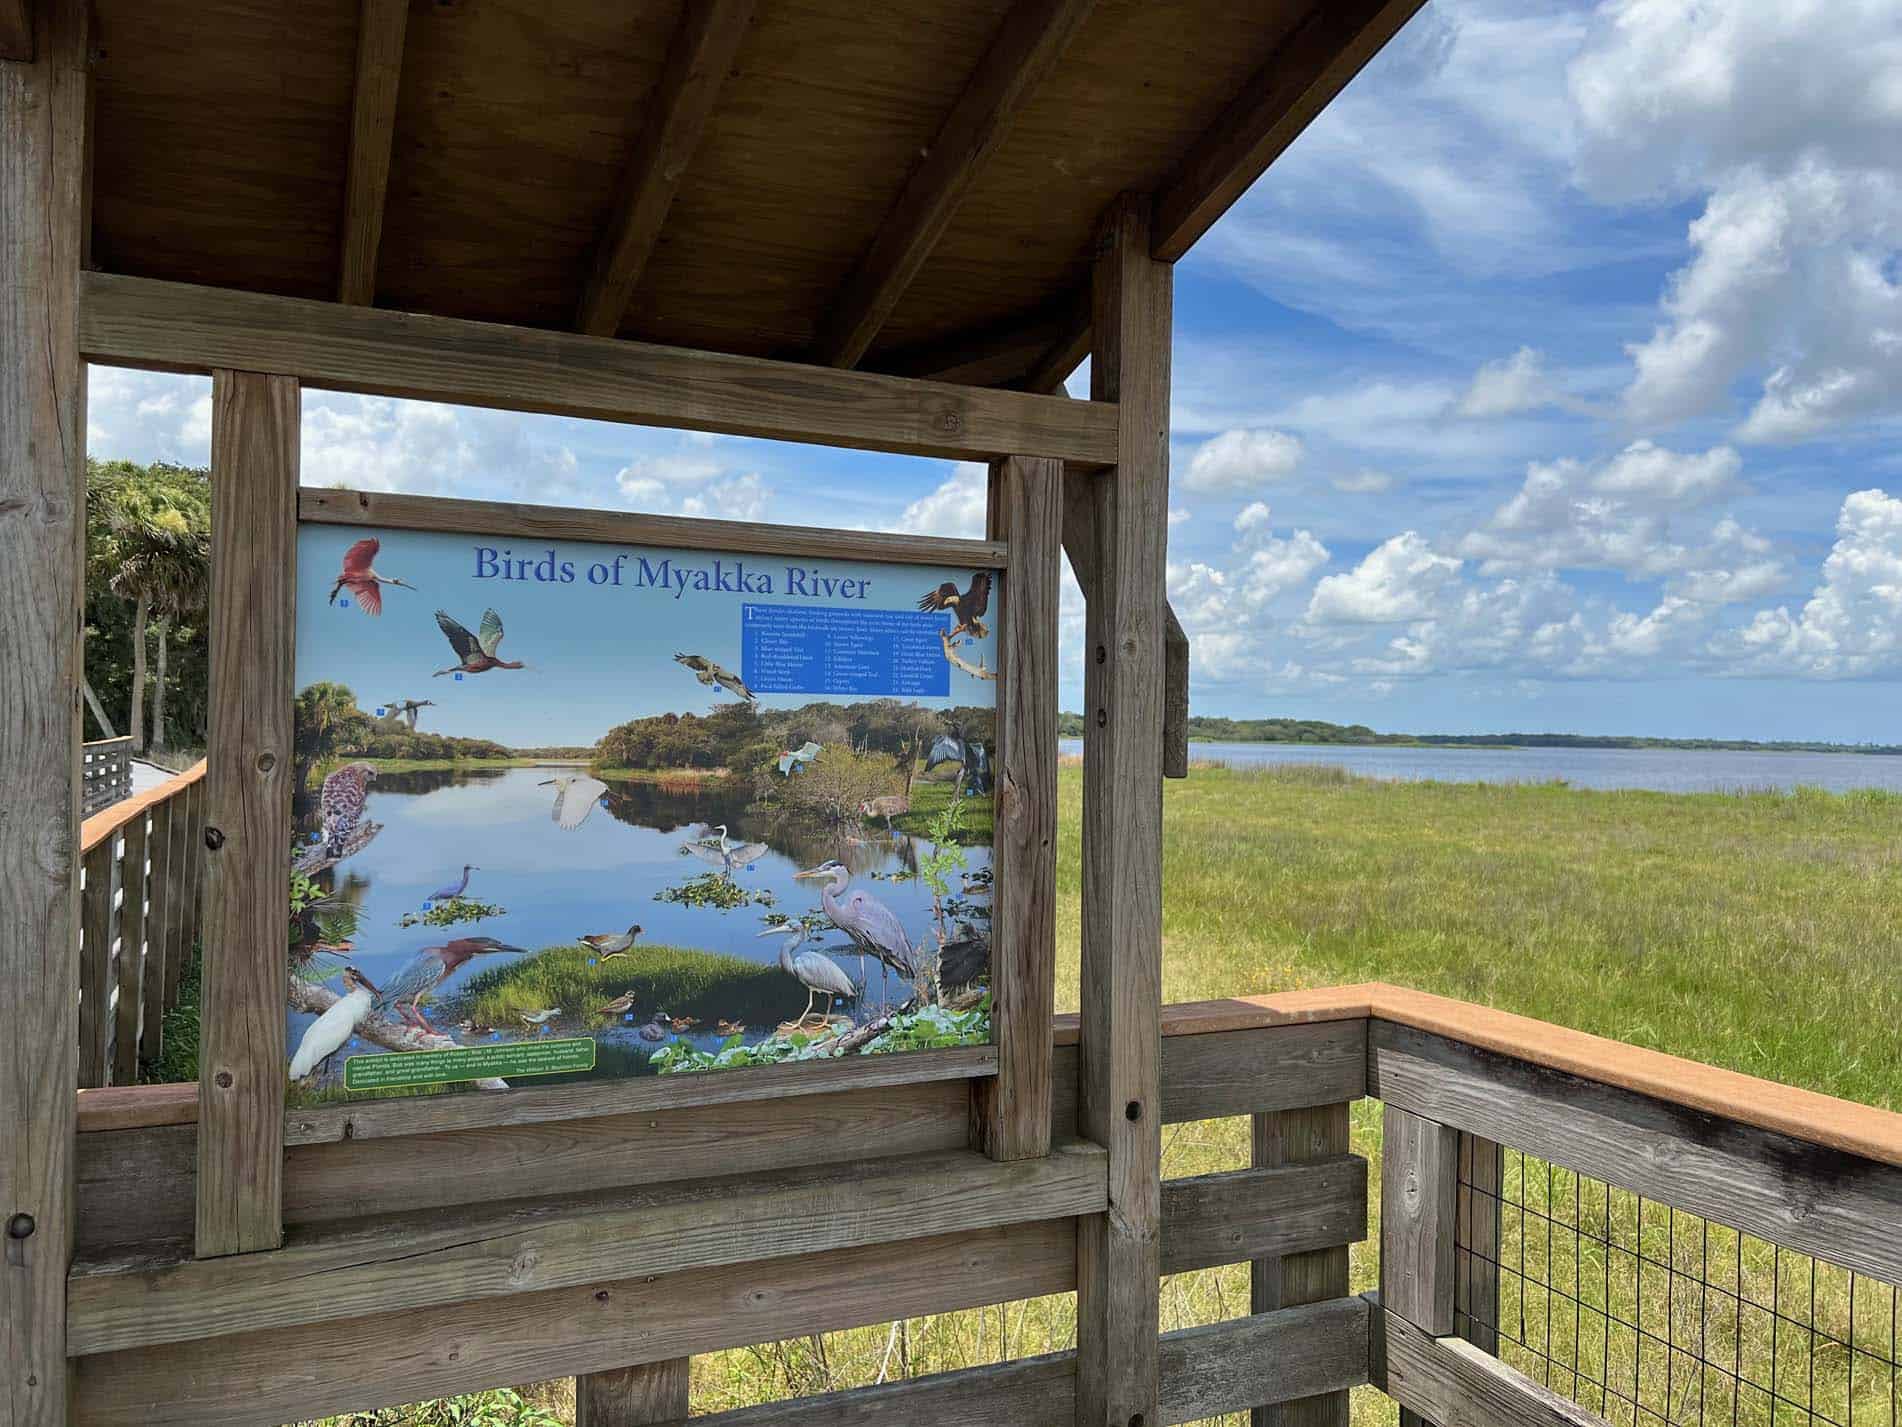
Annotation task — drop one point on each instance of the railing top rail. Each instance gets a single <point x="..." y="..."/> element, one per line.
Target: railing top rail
<point x="102" y="825"/>
<point x="123" y="740"/>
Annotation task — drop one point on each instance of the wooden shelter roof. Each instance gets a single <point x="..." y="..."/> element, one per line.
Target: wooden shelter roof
<point x="910" y="186"/>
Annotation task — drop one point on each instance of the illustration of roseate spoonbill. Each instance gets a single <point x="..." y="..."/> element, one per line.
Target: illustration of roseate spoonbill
<point x="427" y="970"/>
<point x="457" y="888"/>
<point x="966" y="605"/>
<point x="576" y="795"/>
<point x="795" y="759"/>
<point x="475" y="652"/>
<point x="608" y="945"/>
<point x="710" y="673"/>
<point x="872" y="926"/>
<point x="728" y="856"/>
<point x="541" y="1017"/>
<point x="814" y="970"/>
<point x="406" y="709"/>
<point x="362" y="581"/>
<point x="327" y="1034"/>
<point x="619" y="1006"/>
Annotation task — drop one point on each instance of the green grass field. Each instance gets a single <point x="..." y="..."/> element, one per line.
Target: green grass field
<point x="1756" y="931"/>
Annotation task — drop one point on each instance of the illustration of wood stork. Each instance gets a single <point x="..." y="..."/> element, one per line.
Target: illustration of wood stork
<point x="361" y="580"/>
<point x="871" y="925"/>
<point x="966" y="606"/>
<point x="710" y="673"/>
<point x="608" y="945"/>
<point x="576" y="795"/>
<point x="457" y="888"/>
<point x="475" y="653"/>
<point x="814" y="970"/>
<point x="328" y="1033"/>
<point x="427" y="970"/>
<point x="728" y="856"/>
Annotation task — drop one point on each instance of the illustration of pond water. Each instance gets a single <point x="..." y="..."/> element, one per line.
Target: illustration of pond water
<point x="600" y="877"/>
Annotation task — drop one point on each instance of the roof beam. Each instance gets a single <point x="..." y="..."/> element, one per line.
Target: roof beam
<point x="702" y="52"/>
<point x="1299" y="80"/>
<point x="1027" y="45"/>
<point x="380" y="34"/>
<point x="993" y="356"/>
<point x="16" y="30"/>
<point x="1063" y="355"/>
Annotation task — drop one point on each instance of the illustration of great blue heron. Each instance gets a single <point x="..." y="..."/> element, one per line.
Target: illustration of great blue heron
<point x="973" y="758"/>
<point x="814" y="970"/>
<point x="327" y="1034"/>
<point x="872" y="926"/>
<point x="710" y="673"/>
<point x="795" y="759"/>
<point x="361" y="580"/>
<point x="406" y="709"/>
<point x="427" y="970"/>
<point x="608" y="945"/>
<point x="475" y="653"/>
<point x="967" y="605"/>
<point x="576" y="795"/>
<point x="457" y="888"/>
<point x="728" y="856"/>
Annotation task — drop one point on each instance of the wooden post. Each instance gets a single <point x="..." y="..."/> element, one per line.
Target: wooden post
<point x="1419" y="1160"/>
<point x="125" y="1035"/>
<point x="95" y="953"/>
<point x="1295" y="1137"/>
<point x="247" y="833"/>
<point x="42" y="561"/>
<point x="651" y="1395"/>
<point x="1476" y="1294"/>
<point x="1012" y="1108"/>
<point x="192" y="896"/>
<point x="1118" y="1091"/>
<point x="159" y="914"/>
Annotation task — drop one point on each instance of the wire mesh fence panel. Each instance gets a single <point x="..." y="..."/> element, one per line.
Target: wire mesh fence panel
<point x="1646" y="1314"/>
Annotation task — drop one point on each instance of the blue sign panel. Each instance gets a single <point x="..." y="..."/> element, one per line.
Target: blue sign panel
<point x="878" y="653"/>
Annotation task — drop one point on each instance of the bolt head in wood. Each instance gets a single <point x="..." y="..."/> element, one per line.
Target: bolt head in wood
<point x="21" y="1226"/>
<point x="214" y="838"/>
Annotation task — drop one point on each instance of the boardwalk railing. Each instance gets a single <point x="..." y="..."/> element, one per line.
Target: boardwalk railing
<point x="138" y="922"/>
<point x="105" y="774"/>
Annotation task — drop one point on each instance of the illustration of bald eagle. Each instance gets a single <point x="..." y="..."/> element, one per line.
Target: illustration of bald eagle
<point x="967" y="605"/>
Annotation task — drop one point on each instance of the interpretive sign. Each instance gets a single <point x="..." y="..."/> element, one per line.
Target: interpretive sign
<point x="570" y="810"/>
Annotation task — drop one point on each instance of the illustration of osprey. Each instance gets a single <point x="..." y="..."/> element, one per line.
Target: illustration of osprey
<point x="710" y="673"/>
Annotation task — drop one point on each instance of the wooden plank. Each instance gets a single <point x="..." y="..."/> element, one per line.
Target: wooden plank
<point x="1441" y="1379"/>
<point x="1418" y="1163"/>
<point x="134" y="1186"/>
<point x="1476" y="1283"/>
<point x="394" y="1262"/>
<point x="254" y="448"/>
<point x="1816" y="1200"/>
<point x="159" y="913"/>
<point x="706" y="41"/>
<point x="95" y="965"/>
<point x="1012" y="1109"/>
<point x="1331" y="46"/>
<point x="1301" y="1143"/>
<point x="1120" y="1094"/>
<point x="180" y="903"/>
<point x="1306" y="1211"/>
<point x="622" y="527"/>
<point x="1205" y="1371"/>
<point x="43" y="110"/>
<point x="178" y="327"/>
<point x="636" y="1396"/>
<point x="380" y="1119"/>
<point x="380" y="29"/>
<point x="1028" y="44"/>
<point x="1277" y="1068"/>
<point x="131" y="964"/>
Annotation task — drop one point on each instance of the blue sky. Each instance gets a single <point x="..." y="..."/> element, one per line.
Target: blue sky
<point x="1551" y="380"/>
<point x="599" y="648"/>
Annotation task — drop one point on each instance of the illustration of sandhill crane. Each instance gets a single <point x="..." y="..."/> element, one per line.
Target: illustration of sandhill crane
<point x="967" y="606"/>
<point x="361" y="580"/>
<point x="710" y="673"/>
<point x="475" y="652"/>
<point x="328" y="1033"/>
<point x="576" y="795"/>
<point x="872" y="926"/>
<point x="427" y="970"/>
<point x="728" y="856"/>
<point x="608" y="945"/>
<point x="890" y="806"/>
<point x="814" y="970"/>
<point x="406" y="709"/>
<point x="455" y="889"/>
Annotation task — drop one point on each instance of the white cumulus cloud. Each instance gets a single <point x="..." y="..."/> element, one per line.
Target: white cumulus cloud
<point x="1239" y="461"/>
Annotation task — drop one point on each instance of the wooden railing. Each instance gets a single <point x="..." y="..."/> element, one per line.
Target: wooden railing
<point x="105" y="774"/>
<point x="138" y="923"/>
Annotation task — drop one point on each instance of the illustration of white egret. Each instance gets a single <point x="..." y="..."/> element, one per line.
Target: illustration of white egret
<point x="725" y="854"/>
<point x="576" y="795"/>
<point x="329" y="1032"/>
<point x="814" y="970"/>
<point x="791" y="761"/>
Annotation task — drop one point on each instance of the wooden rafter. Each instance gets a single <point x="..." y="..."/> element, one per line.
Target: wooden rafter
<point x="993" y="356"/>
<point x="676" y="115"/>
<point x="1028" y="43"/>
<point x="372" y="129"/>
<point x="1299" y="80"/>
<point x="1064" y="355"/>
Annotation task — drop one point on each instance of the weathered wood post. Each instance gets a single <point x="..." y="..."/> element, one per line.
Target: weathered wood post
<point x="1419" y="1163"/>
<point x="1286" y="1137"/>
<point x="43" y="101"/>
<point x="1119" y="1096"/>
<point x="651" y="1395"/>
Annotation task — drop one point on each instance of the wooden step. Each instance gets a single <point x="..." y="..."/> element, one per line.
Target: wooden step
<point x="124" y="1298"/>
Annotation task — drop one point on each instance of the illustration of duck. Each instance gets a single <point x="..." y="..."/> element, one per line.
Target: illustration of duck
<point x="654" y="1031"/>
<point x="608" y="945"/>
<point x="682" y="1024"/>
<point x="471" y="1030"/>
<point x="730" y="1028"/>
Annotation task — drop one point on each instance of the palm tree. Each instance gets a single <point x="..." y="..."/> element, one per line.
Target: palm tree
<point x="181" y="583"/>
<point x="161" y="559"/>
